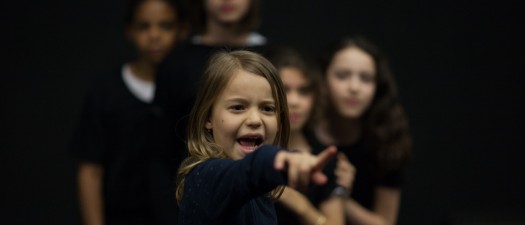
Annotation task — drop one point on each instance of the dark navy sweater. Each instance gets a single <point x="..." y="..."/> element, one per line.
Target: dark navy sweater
<point x="225" y="191"/>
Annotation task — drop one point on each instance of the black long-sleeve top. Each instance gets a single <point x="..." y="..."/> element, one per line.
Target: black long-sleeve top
<point x="225" y="191"/>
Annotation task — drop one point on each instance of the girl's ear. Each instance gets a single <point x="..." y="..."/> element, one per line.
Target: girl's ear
<point x="208" y="125"/>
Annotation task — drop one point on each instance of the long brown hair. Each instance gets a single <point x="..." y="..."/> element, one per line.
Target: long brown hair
<point x="385" y="126"/>
<point x="221" y="68"/>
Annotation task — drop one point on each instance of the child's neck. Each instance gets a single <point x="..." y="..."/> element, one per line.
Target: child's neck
<point x="143" y="70"/>
<point x="298" y="141"/>
<point x="224" y="34"/>
<point x="339" y="131"/>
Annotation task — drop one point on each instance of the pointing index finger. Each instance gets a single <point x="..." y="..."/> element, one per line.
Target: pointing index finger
<point x="325" y="156"/>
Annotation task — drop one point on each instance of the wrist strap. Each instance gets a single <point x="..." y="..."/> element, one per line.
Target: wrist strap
<point x="341" y="191"/>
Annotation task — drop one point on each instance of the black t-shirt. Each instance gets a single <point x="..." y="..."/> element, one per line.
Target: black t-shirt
<point x="367" y="176"/>
<point x="127" y="137"/>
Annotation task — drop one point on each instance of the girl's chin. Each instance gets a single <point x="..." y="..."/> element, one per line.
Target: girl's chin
<point x="352" y="113"/>
<point x="295" y="126"/>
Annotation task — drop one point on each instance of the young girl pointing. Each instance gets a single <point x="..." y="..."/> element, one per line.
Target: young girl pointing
<point x="237" y="128"/>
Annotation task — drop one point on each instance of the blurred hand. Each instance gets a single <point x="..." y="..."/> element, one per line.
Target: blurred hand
<point x="344" y="172"/>
<point x="303" y="167"/>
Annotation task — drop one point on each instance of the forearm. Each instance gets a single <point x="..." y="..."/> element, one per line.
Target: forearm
<point x="329" y="214"/>
<point x="357" y="214"/>
<point x="90" y="193"/>
<point x="384" y="212"/>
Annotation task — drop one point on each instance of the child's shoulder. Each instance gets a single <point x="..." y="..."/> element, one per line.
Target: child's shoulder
<point x="210" y="166"/>
<point x="107" y="79"/>
<point x="106" y="83"/>
<point x="104" y="87"/>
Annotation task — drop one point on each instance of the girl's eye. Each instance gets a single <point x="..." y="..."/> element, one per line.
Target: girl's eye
<point x="268" y="108"/>
<point x="142" y="25"/>
<point x="341" y="75"/>
<point x="167" y="25"/>
<point x="305" y="91"/>
<point x="367" y="77"/>
<point x="236" y="107"/>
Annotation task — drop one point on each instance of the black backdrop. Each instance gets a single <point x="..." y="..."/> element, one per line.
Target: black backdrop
<point x="459" y="68"/>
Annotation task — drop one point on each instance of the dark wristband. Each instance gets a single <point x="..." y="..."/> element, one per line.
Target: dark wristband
<point x="340" y="191"/>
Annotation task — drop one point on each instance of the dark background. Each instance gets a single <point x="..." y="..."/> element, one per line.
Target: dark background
<point x="459" y="68"/>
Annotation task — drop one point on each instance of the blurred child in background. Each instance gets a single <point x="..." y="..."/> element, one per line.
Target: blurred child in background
<point x="125" y="172"/>
<point x="364" y="118"/>
<point x="317" y="205"/>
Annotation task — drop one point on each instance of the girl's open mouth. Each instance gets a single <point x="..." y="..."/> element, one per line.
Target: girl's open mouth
<point x="250" y="142"/>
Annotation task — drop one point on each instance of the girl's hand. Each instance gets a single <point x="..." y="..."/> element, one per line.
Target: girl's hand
<point x="344" y="172"/>
<point x="303" y="167"/>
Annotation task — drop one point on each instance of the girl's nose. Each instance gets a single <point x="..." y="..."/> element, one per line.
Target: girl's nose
<point x="292" y="99"/>
<point x="254" y="119"/>
<point x="355" y="84"/>
<point x="154" y="32"/>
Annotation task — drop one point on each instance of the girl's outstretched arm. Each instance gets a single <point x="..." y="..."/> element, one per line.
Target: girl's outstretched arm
<point x="219" y="188"/>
